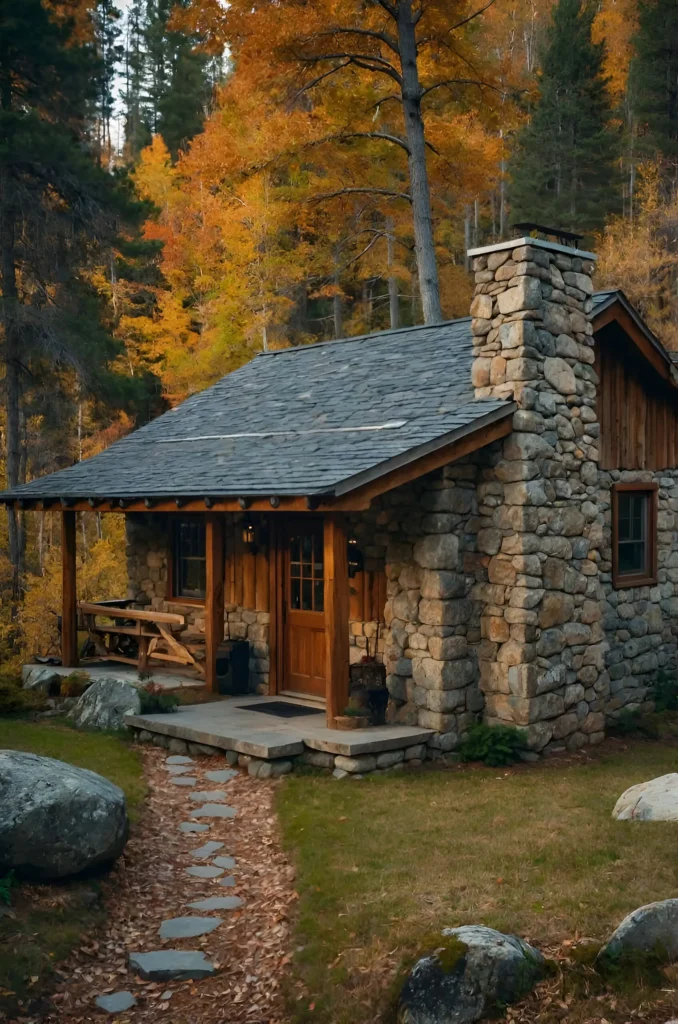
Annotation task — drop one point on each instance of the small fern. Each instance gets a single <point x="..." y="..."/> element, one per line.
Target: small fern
<point x="7" y="883"/>
<point x="154" y="700"/>
<point x="665" y="691"/>
<point x="495" y="745"/>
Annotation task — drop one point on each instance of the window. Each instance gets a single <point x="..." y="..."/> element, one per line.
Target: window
<point x="634" y="534"/>
<point x="188" y="566"/>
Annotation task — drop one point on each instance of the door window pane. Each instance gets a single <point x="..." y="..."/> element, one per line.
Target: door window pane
<point x="306" y="570"/>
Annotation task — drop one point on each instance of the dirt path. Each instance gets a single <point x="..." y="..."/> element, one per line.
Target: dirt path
<point x="150" y="884"/>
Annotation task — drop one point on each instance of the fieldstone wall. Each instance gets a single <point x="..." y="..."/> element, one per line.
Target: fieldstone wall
<point x="542" y="654"/>
<point x="148" y="546"/>
<point x="641" y="623"/>
<point x="370" y="528"/>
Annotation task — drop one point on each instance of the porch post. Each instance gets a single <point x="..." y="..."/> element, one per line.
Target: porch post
<point x="336" y="615"/>
<point x="69" y="624"/>
<point x="214" y="595"/>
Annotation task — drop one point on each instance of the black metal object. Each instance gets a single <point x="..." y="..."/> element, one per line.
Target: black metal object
<point x="560" y="234"/>
<point x="282" y="709"/>
<point x="233" y="667"/>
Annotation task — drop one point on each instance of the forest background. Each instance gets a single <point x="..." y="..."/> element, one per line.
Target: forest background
<point x="184" y="183"/>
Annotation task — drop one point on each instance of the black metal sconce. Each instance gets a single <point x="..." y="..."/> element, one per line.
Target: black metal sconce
<point x="249" y="536"/>
<point x="355" y="558"/>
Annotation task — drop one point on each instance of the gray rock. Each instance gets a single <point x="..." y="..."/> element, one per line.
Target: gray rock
<point x="650" y="929"/>
<point x="104" y="705"/>
<point x="117" y="1002"/>
<point x="166" y="964"/>
<point x="188" y="927"/>
<point x="203" y="852"/>
<point x="192" y="826"/>
<point x="223" y="775"/>
<point x="214" y="811"/>
<point x="185" y="780"/>
<point x="57" y="820"/>
<point x="228" y="881"/>
<point x="44" y="679"/>
<point x="475" y="970"/>
<point x="204" y="871"/>
<point x="178" y="769"/>
<point x="179" y="759"/>
<point x="224" y="862"/>
<point x="167" y="994"/>
<point x="656" y="800"/>
<point x="208" y="795"/>
<point x="217" y="903"/>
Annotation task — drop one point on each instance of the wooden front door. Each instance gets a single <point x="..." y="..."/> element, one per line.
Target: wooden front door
<point x="304" y="612"/>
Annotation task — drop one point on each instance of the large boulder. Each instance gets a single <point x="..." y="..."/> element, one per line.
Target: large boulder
<point x="656" y="800"/>
<point x="475" y="970"/>
<point x="650" y="929"/>
<point x="57" y="820"/>
<point x="105" y="704"/>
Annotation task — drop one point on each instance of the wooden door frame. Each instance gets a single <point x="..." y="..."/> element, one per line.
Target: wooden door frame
<point x="336" y="608"/>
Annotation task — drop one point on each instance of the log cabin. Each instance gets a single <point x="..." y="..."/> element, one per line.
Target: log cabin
<point x="486" y="507"/>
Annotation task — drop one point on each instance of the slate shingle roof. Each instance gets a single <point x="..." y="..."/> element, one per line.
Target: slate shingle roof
<point x="307" y="420"/>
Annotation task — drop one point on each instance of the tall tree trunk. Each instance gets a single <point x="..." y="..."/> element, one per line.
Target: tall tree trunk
<point x="393" y="297"/>
<point x="419" y="184"/>
<point x="9" y="303"/>
<point x="337" y="310"/>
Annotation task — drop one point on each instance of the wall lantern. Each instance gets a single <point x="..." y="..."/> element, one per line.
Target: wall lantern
<point x="249" y="535"/>
<point x="355" y="558"/>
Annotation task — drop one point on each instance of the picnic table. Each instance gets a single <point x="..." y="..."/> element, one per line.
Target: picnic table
<point x="137" y="637"/>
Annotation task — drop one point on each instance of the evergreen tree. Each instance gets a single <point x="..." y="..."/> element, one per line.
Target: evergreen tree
<point x="563" y="171"/>
<point x="654" y="77"/>
<point x="137" y="128"/>
<point x="59" y="214"/>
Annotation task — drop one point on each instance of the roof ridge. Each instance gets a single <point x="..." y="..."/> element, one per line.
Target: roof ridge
<point x="361" y="337"/>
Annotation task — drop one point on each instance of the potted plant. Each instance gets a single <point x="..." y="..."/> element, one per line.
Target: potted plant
<point x="352" y="718"/>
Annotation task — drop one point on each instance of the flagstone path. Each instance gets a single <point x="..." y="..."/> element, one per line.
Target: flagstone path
<point x="176" y="948"/>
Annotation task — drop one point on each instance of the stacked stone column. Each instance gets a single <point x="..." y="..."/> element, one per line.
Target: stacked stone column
<point x="541" y="656"/>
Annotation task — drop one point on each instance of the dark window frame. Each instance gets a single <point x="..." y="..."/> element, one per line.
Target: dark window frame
<point x="648" y="576"/>
<point x="174" y="567"/>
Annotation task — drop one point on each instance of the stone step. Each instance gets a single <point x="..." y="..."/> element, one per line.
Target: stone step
<point x="116" y="1002"/>
<point x="203" y="852"/>
<point x="193" y="826"/>
<point x="204" y="871"/>
<point x="214" y="811"/>
<point x="188" y="927"/>
<point x="223" y="775"/>
<point x="217" y="903"/>
<point x="166" y="964"/>
<point x="179" y="759"/>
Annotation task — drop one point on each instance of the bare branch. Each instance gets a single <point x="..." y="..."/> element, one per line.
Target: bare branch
<point x="341" y="137"/>
<point x="317" y="80"/>
<point x="389" y="8"/>
<point x="362" y="60"/>
<point x="383" y="37"/>
<point x="359" y="191"/>
<point x="471" y="17"/>
<point x="458" y="81"/>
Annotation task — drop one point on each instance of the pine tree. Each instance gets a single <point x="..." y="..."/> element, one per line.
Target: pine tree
<point x="654" y="77"/>
<point x="563" y="169"/>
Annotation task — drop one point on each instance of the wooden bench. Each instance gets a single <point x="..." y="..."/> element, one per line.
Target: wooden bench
<point x="156" y="633"/>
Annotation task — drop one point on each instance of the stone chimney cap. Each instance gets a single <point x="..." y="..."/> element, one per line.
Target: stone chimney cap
<point x="537" y="243"/>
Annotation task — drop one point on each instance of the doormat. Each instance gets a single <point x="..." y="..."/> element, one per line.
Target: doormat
<point x="281" y="709"/>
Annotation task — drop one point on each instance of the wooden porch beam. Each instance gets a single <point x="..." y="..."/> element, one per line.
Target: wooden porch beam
<point x="214" y="595"/>
<point x="69" y="624"/>
<point x="336" y="615"/>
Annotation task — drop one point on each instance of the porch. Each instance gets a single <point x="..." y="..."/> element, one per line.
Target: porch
<point x="244" y="728"/>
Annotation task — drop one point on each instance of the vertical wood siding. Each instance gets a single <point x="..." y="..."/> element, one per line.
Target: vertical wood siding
<point x="637" y="410"/>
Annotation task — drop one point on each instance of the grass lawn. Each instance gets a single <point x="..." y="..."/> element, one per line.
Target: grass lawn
<point x="46" y="921"/>
<point x="382" y="863"/>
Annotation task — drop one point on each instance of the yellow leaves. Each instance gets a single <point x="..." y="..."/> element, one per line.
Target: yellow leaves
<point x="615" y="25"/>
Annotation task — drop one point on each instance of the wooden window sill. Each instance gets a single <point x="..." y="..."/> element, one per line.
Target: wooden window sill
<point x="627" y="582"/>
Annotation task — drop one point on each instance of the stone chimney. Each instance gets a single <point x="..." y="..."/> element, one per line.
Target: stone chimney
<point x="541" y="656"/>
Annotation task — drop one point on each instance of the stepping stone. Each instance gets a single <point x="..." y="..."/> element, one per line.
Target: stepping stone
<point x="188" y="927"/>
<point x="208" y="795"/>
<point x="185" y="780"/>
<point x="167" y="994"/>
<point x="204" y="871"/>
<point x="214" y="811"/>
<point x="193" y="826"/>
<point x="224" y="862"/>
<point x="221" y="776"/>
<point x="166" y="964"/>
<point x="229" y="881"/>
<point x="178" y="769"/>
<point x="179" y="759"/>
<point x="217" y="903"/>
<point x="117" y="1002"/>
<point x="203" y="852"/>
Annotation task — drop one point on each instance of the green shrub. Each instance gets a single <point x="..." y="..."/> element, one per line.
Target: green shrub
<point x="665" y="691"/>
<point x="633" y="722"/>
<point x="15" y="701"/>
<point x="155" y="701"/>
<point x="356" y="712"/>
<point x="495" y="745"/>
<point x="6" y="884"/>
<point x="75" y="684"/>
